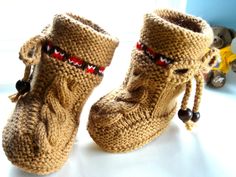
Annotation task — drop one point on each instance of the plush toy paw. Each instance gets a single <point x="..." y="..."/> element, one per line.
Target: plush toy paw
<point x="233" y="66"/>
<point x="216" y="79"/>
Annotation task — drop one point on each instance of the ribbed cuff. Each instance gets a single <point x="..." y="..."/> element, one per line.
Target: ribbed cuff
<point x="82" y="38"/>
<point x="176" y="35"/>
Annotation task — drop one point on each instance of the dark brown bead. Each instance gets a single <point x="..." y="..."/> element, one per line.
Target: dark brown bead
<point x="196" y="116"/>
<point x="22" y="86"/>
<point x="185" y="115"/>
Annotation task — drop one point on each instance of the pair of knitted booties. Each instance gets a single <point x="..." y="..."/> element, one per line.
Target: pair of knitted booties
<point x="67" y="60"/>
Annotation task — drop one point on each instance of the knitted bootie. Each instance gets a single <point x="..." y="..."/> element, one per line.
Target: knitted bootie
<point x="173" y="48"/>
<point x="69" y="58"/>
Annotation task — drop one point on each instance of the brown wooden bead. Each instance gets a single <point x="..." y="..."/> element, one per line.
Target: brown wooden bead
<point x="196" y="116"/>
<point x="22" y="86"/>
<point x="185" y="115"/>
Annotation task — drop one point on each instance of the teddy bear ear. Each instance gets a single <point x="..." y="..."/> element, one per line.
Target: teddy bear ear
<point x="232" y="33"/>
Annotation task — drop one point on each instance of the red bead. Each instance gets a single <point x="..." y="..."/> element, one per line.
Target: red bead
<point x="185" y="115"/>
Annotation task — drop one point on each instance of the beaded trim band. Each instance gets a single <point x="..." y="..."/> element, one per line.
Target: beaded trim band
<point x="157" y="58"/>
<point x="61" y="55"/>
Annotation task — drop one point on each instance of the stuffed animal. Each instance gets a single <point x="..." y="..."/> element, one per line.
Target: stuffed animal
<point x="223" y="38"/>
<point x="233" y="48"/>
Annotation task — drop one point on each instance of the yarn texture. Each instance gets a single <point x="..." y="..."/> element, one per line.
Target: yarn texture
<point x="172" y="50"/>
<point x="39" y="135"/>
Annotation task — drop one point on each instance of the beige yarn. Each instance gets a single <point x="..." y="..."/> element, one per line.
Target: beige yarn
<point x="39" y="136"/>
<point x="141" y="109"/>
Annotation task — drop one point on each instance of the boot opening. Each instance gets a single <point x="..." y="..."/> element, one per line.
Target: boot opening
<point x="88" y="23"/>
<point x="185" y="23"/>
<point x="181" y="20"/>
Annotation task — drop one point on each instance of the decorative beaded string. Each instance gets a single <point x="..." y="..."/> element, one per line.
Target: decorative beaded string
<point x="157" y="58"/>
<point x="61" y="55"/>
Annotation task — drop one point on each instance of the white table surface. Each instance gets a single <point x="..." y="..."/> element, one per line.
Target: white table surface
<point x="208" y="151"/>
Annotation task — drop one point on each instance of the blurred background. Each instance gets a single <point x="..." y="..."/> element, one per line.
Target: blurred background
<point x="23" y="19"/>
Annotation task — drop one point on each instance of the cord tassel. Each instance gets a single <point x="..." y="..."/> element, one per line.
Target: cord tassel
<point x="22" y="86"/>
<point x="30" y="54"/>
<point x="186" y="95"/>
<point x="197" y="99"/>
<point x="199" y="81"/>
<point x="185" y="114"/>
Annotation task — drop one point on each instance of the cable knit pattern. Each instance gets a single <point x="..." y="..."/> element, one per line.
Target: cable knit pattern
<point x="40" y="134"/>
<point x="140" y="110"/>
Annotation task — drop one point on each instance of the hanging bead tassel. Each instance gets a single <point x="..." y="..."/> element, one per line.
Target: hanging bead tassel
<point x="197" y="99"/>
<point x="185" y="114"/>
<point x="30" y="54"/>
<point x="22" y="86"/>
<point x="200" y="81"/>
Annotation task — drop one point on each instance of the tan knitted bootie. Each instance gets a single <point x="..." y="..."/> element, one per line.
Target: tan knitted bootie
<point x="173" y="48"/>
<point x="69" y="58"/>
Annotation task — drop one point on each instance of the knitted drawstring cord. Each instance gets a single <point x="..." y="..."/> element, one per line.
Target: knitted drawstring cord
<point x="189" y="117"/>
<point x="30" y="54"/>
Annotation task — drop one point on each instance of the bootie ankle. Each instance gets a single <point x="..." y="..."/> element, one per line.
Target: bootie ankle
<point x="68" y="60"/>
<point x="173" y="49"/>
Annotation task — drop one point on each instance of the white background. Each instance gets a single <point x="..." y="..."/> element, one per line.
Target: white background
<point x="208" y="151"/>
